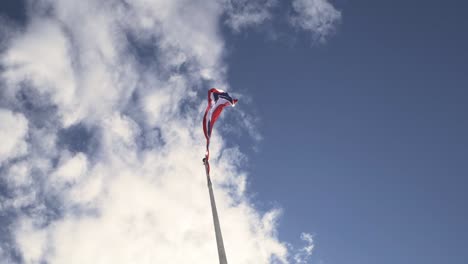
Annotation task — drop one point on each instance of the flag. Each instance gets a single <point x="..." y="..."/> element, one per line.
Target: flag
<point x="217" y="100"/>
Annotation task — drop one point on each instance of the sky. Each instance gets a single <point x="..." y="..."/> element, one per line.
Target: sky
<point x="348" y="144"/>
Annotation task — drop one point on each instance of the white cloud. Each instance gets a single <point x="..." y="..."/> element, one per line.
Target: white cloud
<point x="129" y="72"/>
<point x="31" y="240"/>
<point x="248" y="13"/>
<point x="71" y="169"/>
<point x="303" y="254"/>
<point x="318" y="17"/>
<point x="13" y="133"/>
<point x="40" y="57"/>
<point x="18" y="174"/>
<point x="120" y="201"/>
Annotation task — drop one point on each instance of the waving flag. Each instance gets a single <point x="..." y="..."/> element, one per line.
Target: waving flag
<point x="217" y="100"/>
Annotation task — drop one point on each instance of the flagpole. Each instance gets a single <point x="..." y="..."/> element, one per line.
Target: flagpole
<point x="219" y="236"/>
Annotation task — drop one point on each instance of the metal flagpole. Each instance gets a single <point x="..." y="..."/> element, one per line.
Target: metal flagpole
<point x="219" y="236"/>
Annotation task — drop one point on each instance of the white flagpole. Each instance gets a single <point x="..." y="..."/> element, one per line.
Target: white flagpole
<point x="219" y="236"/>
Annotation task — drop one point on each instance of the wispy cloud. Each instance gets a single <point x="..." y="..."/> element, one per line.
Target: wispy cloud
<point x="303" y="254"/>
<point x="318" y="17"/>
<point x="248" y="13"/>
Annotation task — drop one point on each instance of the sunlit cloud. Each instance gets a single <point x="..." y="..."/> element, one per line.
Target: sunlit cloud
<point x="100" y="122"/>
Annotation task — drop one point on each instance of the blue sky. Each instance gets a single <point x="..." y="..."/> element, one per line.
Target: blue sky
<point x="363" y="135"/>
